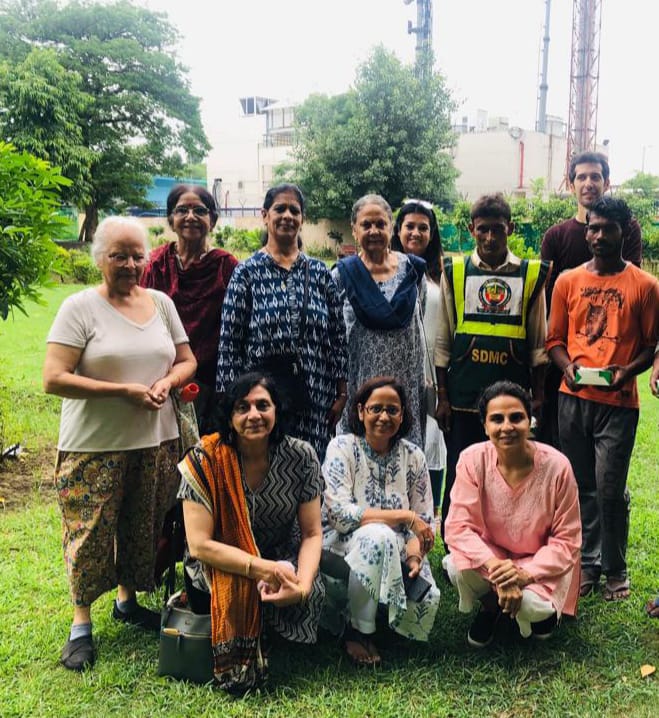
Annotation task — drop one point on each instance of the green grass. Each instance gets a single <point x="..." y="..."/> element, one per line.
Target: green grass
<point x="30" y="417"/>
<point x="589" y="668"/>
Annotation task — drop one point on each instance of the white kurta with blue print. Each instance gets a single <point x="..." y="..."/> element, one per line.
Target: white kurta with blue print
<point x="357" y="478"/>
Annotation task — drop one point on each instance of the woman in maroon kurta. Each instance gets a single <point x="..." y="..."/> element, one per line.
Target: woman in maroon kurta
<point x="195" y="276"/>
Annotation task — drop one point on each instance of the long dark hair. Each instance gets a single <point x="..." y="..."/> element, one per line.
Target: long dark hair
<point x="238" y="390"/>
<point x="434" y="250"/>
<point x="362" y="395"/>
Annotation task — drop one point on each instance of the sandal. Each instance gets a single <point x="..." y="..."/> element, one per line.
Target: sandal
<point x="587" y="586"/>
<point x="652" y="607"/>
<point x="366" y="654"/>
<point x="616" y="589"/>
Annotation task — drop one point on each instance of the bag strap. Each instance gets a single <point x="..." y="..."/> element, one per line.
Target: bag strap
<point x="160" y="306"/>
<point x="425" y="344"/>
<point x="305" y="303"/>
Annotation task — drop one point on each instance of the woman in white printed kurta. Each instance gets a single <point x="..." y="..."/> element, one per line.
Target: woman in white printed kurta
<point x="377" y="516"/>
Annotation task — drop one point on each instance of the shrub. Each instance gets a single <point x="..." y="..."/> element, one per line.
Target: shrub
<point x="83" y="269"/>
<point x="321" y="252"/>
<point x="29" y="202"/>
<point x="238" y="240"/>
<point x="157" y="236"/>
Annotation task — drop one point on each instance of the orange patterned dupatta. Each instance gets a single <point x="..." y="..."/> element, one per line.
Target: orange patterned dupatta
<point x="213" y="471"/>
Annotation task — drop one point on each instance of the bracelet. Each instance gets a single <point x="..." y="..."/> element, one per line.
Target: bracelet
<point x="178" y="381"/>
<point x="342" y="393"/>
<point x="248" y="566"/>
<point x="416" y="556"/>
<point x="303" y="595"/>
<point x="411" y="523"/>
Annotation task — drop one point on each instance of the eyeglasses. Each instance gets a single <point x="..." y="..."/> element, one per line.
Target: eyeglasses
<point x="390" y="409"/>
<point x="123" y="259"/>
<point x="422" y="202"/>
<point x="198" y="210"/>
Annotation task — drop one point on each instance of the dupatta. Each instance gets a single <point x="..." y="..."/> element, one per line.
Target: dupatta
<point x="212" y="469"/>
<point x="371" y="306"/>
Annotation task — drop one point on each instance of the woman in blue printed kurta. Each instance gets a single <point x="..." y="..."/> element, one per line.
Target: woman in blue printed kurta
<point x="261" y="318"/>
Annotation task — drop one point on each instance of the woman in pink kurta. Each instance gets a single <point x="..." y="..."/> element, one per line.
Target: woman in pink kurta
<point x="513" y="530"/>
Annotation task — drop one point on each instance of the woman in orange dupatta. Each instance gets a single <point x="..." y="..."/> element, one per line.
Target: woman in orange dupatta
<point x="251" y="504"/>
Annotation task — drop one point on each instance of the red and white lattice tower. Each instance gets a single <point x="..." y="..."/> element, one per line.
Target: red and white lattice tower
<point x="584" y="76"/>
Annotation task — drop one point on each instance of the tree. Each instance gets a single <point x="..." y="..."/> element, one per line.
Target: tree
<point x="136" y="114"/>
<point x="389" y="134"/>
<point x="44" y="109"/>
<point x="29" y="201"/>
<point x="644" y="185"/>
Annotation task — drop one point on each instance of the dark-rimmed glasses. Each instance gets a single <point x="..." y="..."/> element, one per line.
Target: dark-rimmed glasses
<point x="389" y="409"/>
<point x="198" y="210"/>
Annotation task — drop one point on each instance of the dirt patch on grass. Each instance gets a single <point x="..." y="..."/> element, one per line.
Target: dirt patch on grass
<point x="21" y="477"/>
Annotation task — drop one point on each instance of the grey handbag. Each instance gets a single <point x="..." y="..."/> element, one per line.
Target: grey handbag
<point x="185" y="643"/>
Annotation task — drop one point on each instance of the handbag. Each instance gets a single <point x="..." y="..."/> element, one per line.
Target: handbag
<point x="186" y="418"/>
<point x="286" y="371"/>
<point x="185" y="649"/>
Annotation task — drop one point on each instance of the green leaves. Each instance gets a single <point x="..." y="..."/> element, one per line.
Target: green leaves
<point x="29" y="203"/>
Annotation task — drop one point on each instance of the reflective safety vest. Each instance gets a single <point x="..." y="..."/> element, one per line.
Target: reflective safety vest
<point x="491" y="314"/>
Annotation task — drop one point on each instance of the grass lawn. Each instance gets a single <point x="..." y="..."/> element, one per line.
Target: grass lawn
<point x="589" y="668"/>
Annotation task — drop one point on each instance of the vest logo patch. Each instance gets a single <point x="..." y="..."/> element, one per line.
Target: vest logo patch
<point x="489" y="297"/>
<point x="489" y="356"/>
<point x="494" y="295"/>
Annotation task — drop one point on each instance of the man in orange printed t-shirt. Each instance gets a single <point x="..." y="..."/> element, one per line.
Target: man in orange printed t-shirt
<point x="605" y="315"/>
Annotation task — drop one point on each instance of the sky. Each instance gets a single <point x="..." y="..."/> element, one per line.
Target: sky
<point x="487" y="50"/>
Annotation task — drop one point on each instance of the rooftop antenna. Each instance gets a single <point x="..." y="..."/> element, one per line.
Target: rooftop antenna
<point x="423" y="32"/>
<point x="541" y="120"/>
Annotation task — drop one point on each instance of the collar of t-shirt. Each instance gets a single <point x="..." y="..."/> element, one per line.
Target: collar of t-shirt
<point x="510" y="263"/>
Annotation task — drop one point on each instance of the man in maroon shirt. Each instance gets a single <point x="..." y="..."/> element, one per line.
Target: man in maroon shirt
<point x="565" y="245"/>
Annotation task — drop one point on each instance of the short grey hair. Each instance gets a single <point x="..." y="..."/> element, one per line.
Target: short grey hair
<point x="371" y="199"/>
<point x="107" y="230"/>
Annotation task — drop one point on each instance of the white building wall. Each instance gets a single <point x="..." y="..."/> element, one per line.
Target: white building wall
<point x="508" y="161"/>
<point x="235" y="159"/>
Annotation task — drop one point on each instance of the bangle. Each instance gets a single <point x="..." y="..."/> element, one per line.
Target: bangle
<point x="416" y="556"/>
<point x="248" y="566"/>
<point x="411" y="523"/>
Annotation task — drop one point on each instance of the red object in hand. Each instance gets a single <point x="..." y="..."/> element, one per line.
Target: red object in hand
<point x="189" y="392"/>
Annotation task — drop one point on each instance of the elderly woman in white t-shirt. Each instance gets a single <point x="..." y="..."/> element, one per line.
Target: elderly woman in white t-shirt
<point x="114" y="353"/>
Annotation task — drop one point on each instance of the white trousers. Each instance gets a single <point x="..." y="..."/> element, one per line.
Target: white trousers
<point x="471" y="586"/>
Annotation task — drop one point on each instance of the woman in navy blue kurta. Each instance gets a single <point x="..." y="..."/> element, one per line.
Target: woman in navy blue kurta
<point x="261" y="318"/>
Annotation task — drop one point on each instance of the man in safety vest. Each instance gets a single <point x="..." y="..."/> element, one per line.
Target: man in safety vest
<point x="492" y="326"/>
